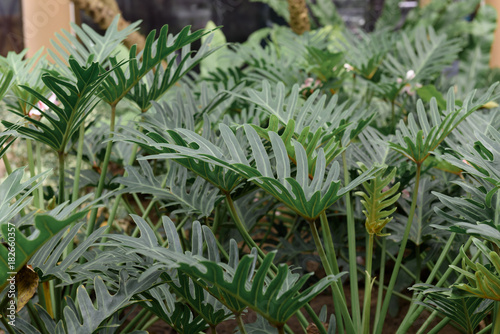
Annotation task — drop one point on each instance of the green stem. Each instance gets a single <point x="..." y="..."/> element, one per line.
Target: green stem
<point x="409" y="319"/>
<point x="241" y="325"/>
<point x="281" y="329"/>
<point x="496" y="321"/>
<point x="241" y="227"/>
<point x="486" y="329"/>
<point x="351" y="242"/>
<point x="399" y="259"/>
<point x="6" y="325"/>
<point x="104" y="169"/>
<point x="6" y="162"/>
<point x="79" y="154"/>
<point x="368" y="287"/>
<point x="118" y="198"/>
<point x="380" y="293"/>
<point x="76" y="181"/>
<point x="437" y="329"/>
<point x="142" y="313"/>
<point x="60" y="156"/>
<point x="340" y="305"/>
<point x="39" y="171"/>
<point x="314" y="318"/>
<point x="31" y="166"/>
<point x="150" y="323"/>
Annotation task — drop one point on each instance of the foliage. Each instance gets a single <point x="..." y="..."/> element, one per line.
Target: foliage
<point x="224" y="174"/>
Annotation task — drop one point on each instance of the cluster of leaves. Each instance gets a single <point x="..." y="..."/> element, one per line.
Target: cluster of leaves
<point x="243" y="161"/>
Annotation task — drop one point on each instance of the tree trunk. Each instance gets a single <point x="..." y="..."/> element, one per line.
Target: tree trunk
<point x="299" y="16"/>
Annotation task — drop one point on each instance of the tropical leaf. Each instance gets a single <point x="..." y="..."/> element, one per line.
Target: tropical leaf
<point x="5" y="82"/>
<point x="28" y="72"/>
<point x="417" y="142"/>
<point x="153" y="86"/>
<point x="198" y="197"/>
<point x="373" y="148"/>
<point x="268" y="300"/>
<point x="87" y="318"/>
<point x="12" y="187"/>
<point x="177" y="314"/>
<point x="125" y="77"/>
<point x="426" y="57"/>
<point x="467" y="312"/>
<point x="364" y="53"/>
<point x="378" y="197"/>
<point x="46" y="226"/>
<point x="77" y="100"/>
<point x="484" y="280"/>
<point x="84" y="42"/>
<point x="470" y="214"/>
<point x="306" y="197"/>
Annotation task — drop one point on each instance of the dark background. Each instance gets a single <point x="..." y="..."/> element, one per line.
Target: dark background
<point x="239" y="17"/>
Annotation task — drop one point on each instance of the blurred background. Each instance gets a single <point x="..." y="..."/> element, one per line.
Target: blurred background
<point x="239" y="18"/>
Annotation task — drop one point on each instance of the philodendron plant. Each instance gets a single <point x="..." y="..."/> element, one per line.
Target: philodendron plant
<point x="194" y="188"/>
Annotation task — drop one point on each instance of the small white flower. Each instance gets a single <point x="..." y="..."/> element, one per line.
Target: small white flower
<point x="348" y="67"/>
<point x="410" y="74"/>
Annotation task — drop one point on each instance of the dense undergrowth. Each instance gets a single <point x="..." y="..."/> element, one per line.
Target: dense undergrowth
<point x="194" y="186"/>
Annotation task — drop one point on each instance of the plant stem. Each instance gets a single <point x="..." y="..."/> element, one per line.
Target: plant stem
<point x="60" y="156"/>
<point x="118" y="198"/>
<point x="439" y="326"/>
<point x="79" y="153"/>
<point x="104" y="169"/>
<point x="31" y="166"/>
<point x="241" y="226"/>
<point x="8" y="327"/>
<point x="39" y="171"/>
<point x="142" y="313"/>
<point x="8" y="167"/>
<point x="76" y="181"/>
<point x="281" y="329"/>
<point x="380" y="293"/>
<point x="340" y="303"/>
<point x="241" y="325"/>
<point x="368" y="286"/>
<point x="351" y="242"/>
<point x="496" y="316"/>
<point x="399" y="259"/>
<point x="409" y="319"/>
<point x="314" y="318"/>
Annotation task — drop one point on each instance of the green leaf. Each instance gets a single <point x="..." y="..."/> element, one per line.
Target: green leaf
<point x="376" y="199"/>
<point x="25" y="247"/>
<point x="417" y="142"/>
<point x="85" y="43"/>
<point x="77" y="100"/>
<point x="164" y="48"/>
<point x="467" y="312"/>
<point x="267" y="299"/>
<point x="306" y="197"/>
<point x="425" y="53"/>
<point x="427" y="92"/>
<point x="198" y="197"/>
